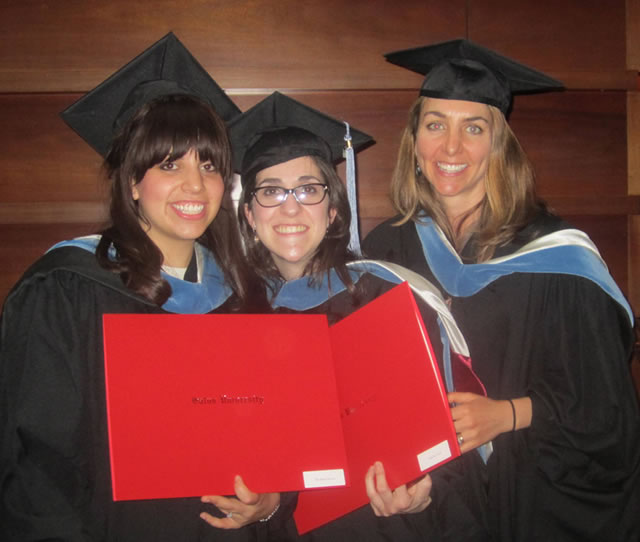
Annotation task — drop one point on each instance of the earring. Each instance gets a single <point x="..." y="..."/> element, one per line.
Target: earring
<point x="256" y="239"/>
<point x="418" y="171"/>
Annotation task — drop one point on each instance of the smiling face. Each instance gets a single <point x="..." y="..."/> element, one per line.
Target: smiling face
<point x="291" y="231"/>
<point x="177" y="201"/>
<point x="453" y="145"/>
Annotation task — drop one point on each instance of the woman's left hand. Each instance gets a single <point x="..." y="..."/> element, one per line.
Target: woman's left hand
<point x="246" y="508"/>
<point x="478" y="419"/>
<point x="402" y="500"/>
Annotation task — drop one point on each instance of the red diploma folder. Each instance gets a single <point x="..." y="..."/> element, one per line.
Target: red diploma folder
<point x="195" y="399"/>
<point x="393" y="403"/>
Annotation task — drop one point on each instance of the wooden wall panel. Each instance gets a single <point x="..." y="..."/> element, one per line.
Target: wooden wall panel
<point x="633" y="34"/>
<point x="633" y="146"/>
<point x="23" y="244"/>
<point x="633" y="139"/>
<point x="634" y="262"/>
<point x="576" y="140"/>
<point x="45" y="160"/>
<point x="296" y="43"/>
<point x="73" y="45"/>
<point x="583" y="43"/>
<point x="610" y="234"/>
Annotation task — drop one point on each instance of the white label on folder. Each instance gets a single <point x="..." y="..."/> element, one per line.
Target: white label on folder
<point x="434" y="455"/>
<point x="324" y="478"/>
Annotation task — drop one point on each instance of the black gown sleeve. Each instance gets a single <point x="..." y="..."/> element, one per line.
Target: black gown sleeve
<point x="45" y="479"/>
<point x="585" y="429"/>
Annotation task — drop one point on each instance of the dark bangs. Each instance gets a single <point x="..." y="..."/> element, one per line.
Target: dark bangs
<point x="171" y="126"/>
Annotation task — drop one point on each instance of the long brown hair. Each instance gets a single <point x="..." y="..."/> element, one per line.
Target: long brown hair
<point x="332" y="252"/>
<point x="167" y="128"/>
<point x="510" y="201"/>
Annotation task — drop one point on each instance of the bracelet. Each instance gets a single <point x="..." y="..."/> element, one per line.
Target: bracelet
<point x="271" y="514"/>
<point x="513" y="409"/>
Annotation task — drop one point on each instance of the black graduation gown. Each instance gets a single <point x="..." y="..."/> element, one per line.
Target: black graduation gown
<point x="573" y="475"/>
<point x="54" y="463"/>
<point x="458" y="510"/>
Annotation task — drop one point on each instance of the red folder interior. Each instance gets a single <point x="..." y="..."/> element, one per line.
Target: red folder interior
<point x="195" y="399"/>
<point x="392" y="401"/>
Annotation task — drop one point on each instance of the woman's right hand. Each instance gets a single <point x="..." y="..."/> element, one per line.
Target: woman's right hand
<point x="479" y="419"/>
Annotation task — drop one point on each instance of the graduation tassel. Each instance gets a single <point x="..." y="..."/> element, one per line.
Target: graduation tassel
<point x="349" y="154"/>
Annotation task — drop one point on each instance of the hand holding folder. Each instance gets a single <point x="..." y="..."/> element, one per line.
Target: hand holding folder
<point x="392" y="400"/>
<point x="247" y="507"/>
<point x="406" y="499"/>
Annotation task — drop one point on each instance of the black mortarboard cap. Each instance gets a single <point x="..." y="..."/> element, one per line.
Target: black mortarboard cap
<point x="280" y="128"/>
<point x="165" y="68"/>
<point x="462" y="70"/>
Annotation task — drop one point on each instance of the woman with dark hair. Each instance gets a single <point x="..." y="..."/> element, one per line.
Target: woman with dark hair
<point x="549" y="331"/>
<point x="295" y="217"/>
<point x="171" y="247"/>
<point x="331" y="251"/>
<point x="162" y="134"/>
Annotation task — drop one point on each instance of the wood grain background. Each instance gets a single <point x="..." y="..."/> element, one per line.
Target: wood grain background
<point x="584" y="141"/>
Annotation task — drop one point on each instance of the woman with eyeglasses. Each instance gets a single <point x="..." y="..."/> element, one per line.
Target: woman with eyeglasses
<point x="295" y="217"/>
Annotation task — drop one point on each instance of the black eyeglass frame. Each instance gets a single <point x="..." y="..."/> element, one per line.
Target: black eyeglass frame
<point x="290" y="191"/>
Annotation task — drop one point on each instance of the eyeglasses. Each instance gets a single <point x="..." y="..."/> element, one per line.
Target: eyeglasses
<point x="305" y="194"/>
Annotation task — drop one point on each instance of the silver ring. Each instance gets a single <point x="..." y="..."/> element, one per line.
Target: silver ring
<point x="460" y="439"/>
<point x="229" y="515"/>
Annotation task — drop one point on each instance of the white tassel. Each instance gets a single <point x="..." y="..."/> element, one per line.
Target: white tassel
<point x="349" y="154"/>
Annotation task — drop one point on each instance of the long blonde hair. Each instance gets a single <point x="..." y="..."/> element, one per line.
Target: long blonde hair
<point x="510" y="200"/>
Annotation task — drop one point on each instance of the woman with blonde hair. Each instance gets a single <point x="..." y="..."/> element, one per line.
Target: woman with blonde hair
<point x="510" y="184"/>
<point x="548" y="329"/>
